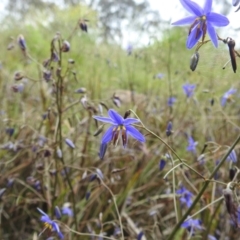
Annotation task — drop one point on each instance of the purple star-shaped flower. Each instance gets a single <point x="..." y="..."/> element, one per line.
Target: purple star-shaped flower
<point x="191" y="145"/>
<point x="189" y="89"/>
<point x="202" y="21"/>
<point x="50" y="224"/>
<point x="120" y="127"/>
<point x="191" y="225"/>
<point x="186" y="196"/>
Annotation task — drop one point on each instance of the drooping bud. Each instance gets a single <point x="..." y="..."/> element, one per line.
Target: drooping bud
<point x="194" y="61"/>
<point x="103" y="149"/>
<point x="127" y="114"/>
<point x="65" y="46"/>
<point x="81" y="90"/>
<point x="116" y="100"/>
<point x="230" y="205"/>
<point x="169" y="129"/>
<point x="21" y="42"/>
<point x="231" y="45"/>
<point x="235" y="2"/>
<point x="54" y="57"/>
<point x="162" y="164"/>
<point x="47" y="75"/>
<point x="83" y="25"/>
<point x="18" y="76"/>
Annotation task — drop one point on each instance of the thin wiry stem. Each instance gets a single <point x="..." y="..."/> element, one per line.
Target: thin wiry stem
<point x="201" y="192"/>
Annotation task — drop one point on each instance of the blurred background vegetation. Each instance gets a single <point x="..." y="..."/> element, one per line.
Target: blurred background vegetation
<point x="138" y="76"/>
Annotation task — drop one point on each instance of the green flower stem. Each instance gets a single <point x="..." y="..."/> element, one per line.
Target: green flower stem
<point x="206" y="183"/>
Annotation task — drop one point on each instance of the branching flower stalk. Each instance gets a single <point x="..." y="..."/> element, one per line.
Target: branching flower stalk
<point x="58" y="135"/>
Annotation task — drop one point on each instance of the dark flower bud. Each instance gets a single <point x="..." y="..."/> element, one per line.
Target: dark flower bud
<point x="18" y="87"/>
<point x="46" y="62"/>
<point x="54" y="57"/>
<point x="169" y="129"/>
<point x="194" y="61"/>
<point x="98" y="131"/>
<point x="212" y="101"/>
<point x="83" y="25"/>
<point x="47" y="75"/>
<point x="88" y="194"/>
<point x="127" y="114"/>
<point x="103" y="149"/>
<point x="10" y="131"/>
<point x="65" y="46"/>
<point x="47" y="153"/>
<point x="162" y="164"/>
<point x="40" y="167"/>
<point x="231" y="174"/>
<point x="140" y="235"/>
<point x="92" y="177"/>
<point x="230" y="205"/>
<point x="21" y="42"/>
<point x="18" y="76"/>
<point x="81" y="90"/>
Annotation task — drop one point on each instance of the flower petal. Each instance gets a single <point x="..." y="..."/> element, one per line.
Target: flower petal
<point x="184" y="21"/>
<point x="192" y="7"/>
<point x="117" y="118"/>
<point x="132" y="131"/>
<point x="129" y="121"/>
<point x="42" y="212"/>
<point x="192" y="39"/>
<point x="207" y="6"/>
<point x="212" y="34"/>
<point x="217" y="20"/>
<point x="108" y="135"/>
<point x="104" y="119"/>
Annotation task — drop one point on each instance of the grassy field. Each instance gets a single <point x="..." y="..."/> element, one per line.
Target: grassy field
<point x="41" y="107"/>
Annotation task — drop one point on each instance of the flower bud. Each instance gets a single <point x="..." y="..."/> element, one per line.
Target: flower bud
<point x="65" y="46"/>
<point x="83" y="25"/>
<point x="18" y="76"/>
<point x="194" y="61"/>
<point x="21" y="42"/>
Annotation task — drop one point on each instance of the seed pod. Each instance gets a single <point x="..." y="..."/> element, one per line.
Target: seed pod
<point x="194" y="61"/>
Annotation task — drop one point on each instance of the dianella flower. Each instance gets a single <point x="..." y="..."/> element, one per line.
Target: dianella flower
<point x="191" y="145"/>
<point x="50" y="224"/>
<point x="185" y="196"/>
<point x="228" y="96"/>
<point x="202" y="21"/>
<point x="120" y="128"/>
<point x="189" y="89"/>
<point x="192" y="225"/>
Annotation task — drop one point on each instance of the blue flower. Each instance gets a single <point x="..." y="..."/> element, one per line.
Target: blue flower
<point x="66" y="210"/>
<point x="227" y="96"/>
<point x="232" y="156"/>
<point x="191" y="225"/>
<point x="171" y="101"/>
<point x="202" y="20"/>
<point x="120" y="127"/>
<point x="191" y="145"/>
<point x="50" y="224"/>
<point x="189" y="89"/>
<point x="186" y="196"/>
